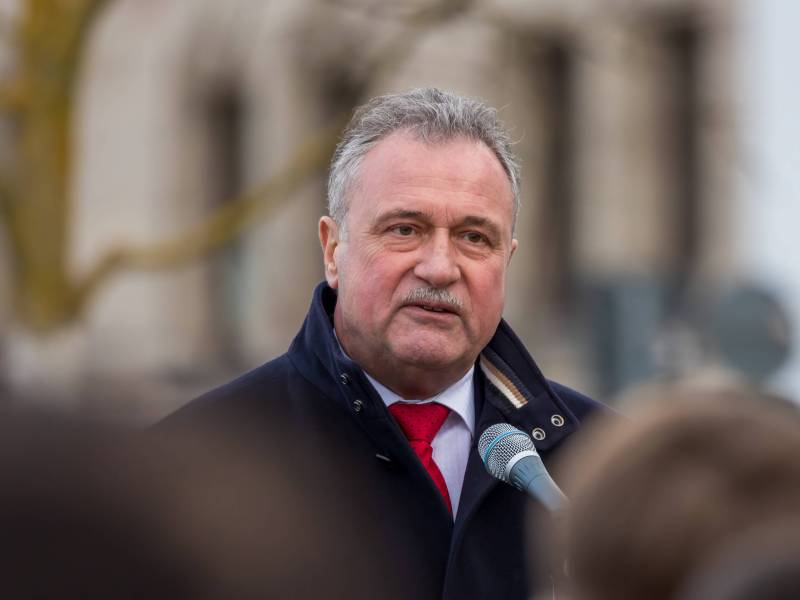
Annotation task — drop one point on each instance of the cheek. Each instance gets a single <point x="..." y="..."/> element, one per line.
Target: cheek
<point x="488" y="293"/>
<point x="370" y="284"/>
<point x="381" y="274"/>
<point x="489" y="278"/>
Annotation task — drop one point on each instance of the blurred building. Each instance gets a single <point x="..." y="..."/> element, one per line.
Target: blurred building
<point x="657" y="139"/>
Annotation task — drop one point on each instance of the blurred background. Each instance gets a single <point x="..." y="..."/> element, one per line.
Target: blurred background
<point x="162" y="167"/>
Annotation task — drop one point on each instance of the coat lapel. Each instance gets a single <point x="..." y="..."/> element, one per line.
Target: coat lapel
<point x="501" y="396"/>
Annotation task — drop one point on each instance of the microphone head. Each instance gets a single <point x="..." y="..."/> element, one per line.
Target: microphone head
<point x="499" y="445"/>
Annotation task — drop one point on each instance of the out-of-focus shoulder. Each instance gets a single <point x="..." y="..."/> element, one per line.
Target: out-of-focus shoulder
<point x="581" y="405"/>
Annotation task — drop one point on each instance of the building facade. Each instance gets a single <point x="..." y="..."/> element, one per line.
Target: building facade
<point x="630" y="119"/>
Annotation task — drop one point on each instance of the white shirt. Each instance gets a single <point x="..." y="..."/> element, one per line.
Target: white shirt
<point x="452" y="443"/>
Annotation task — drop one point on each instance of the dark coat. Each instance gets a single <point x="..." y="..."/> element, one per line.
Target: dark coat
<point x="323" y="399"/>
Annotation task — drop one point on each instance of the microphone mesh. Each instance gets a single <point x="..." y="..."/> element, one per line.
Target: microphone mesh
<point x="503" y="442"/>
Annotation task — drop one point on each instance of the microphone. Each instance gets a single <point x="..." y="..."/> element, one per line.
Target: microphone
<point x="510" y="456"/>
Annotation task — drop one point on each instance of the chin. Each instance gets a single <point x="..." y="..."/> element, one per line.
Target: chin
<point x="429" y="357"/>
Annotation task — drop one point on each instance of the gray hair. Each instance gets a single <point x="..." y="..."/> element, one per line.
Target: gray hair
<point x="429" y="114"/>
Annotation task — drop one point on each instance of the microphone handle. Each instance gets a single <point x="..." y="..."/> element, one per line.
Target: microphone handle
<point x="530" y="475"/>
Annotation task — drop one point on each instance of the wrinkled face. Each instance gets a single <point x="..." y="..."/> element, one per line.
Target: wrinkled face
<point x="421" y="272"/>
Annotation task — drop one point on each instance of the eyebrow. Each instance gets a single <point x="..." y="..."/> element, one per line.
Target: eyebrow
<point x="402" y="213"/>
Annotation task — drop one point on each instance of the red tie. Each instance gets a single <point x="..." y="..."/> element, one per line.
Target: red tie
<point x="420" y="422"/>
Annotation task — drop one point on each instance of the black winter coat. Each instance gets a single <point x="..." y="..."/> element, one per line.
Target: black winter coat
<point x="315" y="399"/>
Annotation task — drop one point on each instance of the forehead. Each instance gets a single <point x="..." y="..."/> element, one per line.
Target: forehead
<point x="459" y="172"/>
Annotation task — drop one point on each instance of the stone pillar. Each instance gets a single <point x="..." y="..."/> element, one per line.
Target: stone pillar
<point x="281" y="257"/>
<point x="135" y="186"/>
<point x="625" y="190"/>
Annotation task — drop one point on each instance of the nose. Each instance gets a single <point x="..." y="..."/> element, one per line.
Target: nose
<point x="437" y="264"/>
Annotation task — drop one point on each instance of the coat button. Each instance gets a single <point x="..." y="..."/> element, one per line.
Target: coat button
<point x="358" y="405"/>
<point x="538" y="434"/>
<point x="344" y="378"/>
<point x="557" y="420"/>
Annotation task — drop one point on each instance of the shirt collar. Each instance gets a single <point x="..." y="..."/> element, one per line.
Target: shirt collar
<point x="459" y="397"/>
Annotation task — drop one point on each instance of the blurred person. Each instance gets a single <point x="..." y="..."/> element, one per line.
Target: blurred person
<point x="403" y="356"/>
<point x="89" y="511"/>
<point x="761" y="564"/>
<point x="654" y="498"/>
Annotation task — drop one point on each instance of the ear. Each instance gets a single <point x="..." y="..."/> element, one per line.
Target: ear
<point x="329" y="240"/>
<point x="514" y="244"/>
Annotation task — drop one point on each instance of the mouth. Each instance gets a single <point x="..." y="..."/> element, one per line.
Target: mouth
<point x="433" y="308"/>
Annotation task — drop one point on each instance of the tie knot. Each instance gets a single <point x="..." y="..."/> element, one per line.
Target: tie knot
<point x="419" y="422"/>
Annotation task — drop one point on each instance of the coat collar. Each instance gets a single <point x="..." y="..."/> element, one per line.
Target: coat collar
<point x="522" y="394"/>
<point x="514" y="385"/>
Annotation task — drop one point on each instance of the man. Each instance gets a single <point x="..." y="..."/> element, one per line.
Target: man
<point x="406" y="335"/>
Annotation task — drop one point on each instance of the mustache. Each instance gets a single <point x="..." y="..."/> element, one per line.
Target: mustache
<point x="434" y="295"/>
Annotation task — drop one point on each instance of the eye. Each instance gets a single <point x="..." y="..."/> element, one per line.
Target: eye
<point x="475" y="237"/>
<point x="402" y="230"/>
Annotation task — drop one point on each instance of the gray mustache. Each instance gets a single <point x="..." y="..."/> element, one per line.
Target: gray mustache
<point x="437" y="295"/>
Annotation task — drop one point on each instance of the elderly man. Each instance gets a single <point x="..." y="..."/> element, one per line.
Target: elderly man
<point x="404" y="358"/>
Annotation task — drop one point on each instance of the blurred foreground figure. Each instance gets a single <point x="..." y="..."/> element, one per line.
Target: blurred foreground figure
<point x="404" y="358"/>
<point x="90" y="512"/>
<point x="656" y="501"/>
<point x="763" y="563"/>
